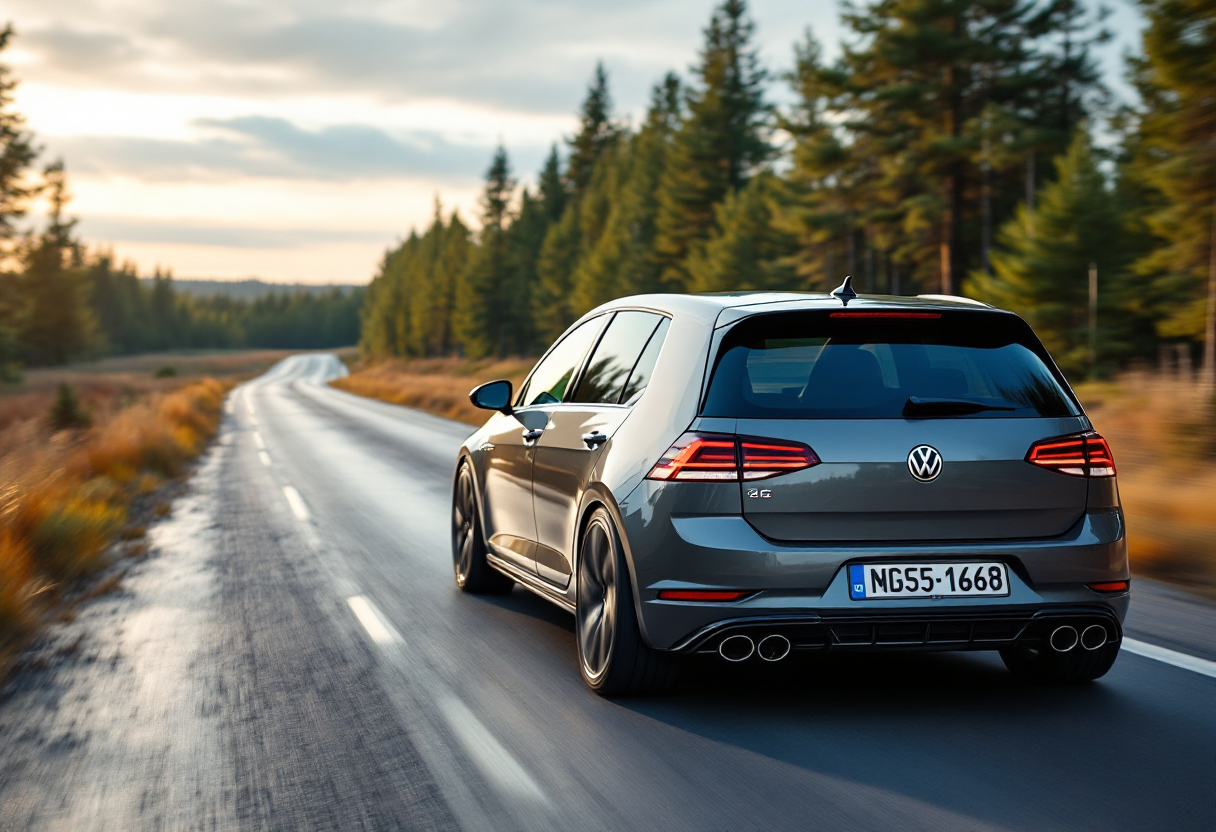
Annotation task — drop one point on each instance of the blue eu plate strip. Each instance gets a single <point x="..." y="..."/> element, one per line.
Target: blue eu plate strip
<point x="857" y="582"/>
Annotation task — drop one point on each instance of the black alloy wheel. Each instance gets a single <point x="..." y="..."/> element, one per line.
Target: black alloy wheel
<point x="612" y="656"/>
<point x="473" y="573"/>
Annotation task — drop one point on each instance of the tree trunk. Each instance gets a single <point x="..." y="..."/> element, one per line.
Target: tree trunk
<point x="1209" y="329"/>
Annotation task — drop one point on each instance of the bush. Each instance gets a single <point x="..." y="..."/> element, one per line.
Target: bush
<point x="166" y="371"/>
<point x="66" y="412"/>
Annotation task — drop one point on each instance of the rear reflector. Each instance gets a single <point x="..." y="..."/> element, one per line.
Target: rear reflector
<point x="920" y="315"/>
<point x="1109" y="586"/>
<point x="1078" y="455"/>
<point x="716" y="457"/>
<point x="701" y="595"/>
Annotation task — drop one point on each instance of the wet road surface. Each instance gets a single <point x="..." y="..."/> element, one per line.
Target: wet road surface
<point x="295" y="655"/>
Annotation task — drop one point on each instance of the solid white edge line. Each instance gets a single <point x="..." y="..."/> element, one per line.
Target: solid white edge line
<point x="265" y="457"/>
<point x="1161" y="654"/>
<point x="298" y="508"/>
<point x="257" y="440"/>
<point x="373" y="621"/>
<point x="487" y="753"/>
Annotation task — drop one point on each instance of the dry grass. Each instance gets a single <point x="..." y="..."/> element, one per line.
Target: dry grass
<point x="436" y="385"/>
<point x="64" y="495"/>
<point x="1162" y="433"/>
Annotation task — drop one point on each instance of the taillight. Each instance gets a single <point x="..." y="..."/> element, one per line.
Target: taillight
<point x="715" y="457"/>
<point x="1078" y="455"/>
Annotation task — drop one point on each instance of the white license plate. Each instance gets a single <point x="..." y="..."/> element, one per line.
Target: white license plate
<point x="927" y="580"/>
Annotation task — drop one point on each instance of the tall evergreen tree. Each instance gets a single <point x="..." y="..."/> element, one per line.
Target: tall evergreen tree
<point x="17" y="150"/>
<point x="59" y="323"/>
<point x="747" y="250"/>
<point x="597" y="132"/>
<point x="1042" y="270"/>
<point x="1176" y="156"/>
<point x="720" y="143"/>
<point x="486" y="309"/>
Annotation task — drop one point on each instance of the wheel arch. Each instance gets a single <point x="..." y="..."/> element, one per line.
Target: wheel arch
<point x="597" y="495"/>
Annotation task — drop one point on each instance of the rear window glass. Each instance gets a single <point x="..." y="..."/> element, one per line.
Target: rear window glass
<point x="813" y="365"/>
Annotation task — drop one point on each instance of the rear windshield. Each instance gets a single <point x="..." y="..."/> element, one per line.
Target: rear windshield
<point x="858" y="365"/>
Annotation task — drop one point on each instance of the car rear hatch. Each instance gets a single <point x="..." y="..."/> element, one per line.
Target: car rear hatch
<point x="921" y="422"/>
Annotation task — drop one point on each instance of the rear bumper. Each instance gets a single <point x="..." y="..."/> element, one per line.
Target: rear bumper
<point x="808" y="583"/>
<point x="913" y="630"/>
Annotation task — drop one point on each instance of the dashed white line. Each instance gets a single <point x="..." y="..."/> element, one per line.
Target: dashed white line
<point x="265" y="457"/>
<point x="257" y="440"/>
<point x="298" y="508"/>
<point x="487" y="753"/>
<point x="373" y="621"/>
<point x="1161" y="654"/>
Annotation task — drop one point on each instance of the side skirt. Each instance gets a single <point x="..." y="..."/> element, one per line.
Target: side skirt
<point x="530" y="582"/>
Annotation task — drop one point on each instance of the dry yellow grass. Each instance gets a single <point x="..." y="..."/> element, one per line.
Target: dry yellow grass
<point x="1162" y="433"/>
<point x="64" y="495"/>
<point x="436" y="385"/>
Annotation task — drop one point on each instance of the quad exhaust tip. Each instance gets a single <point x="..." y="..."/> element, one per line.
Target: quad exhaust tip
<point x="736" y="648"/>
<point x="773" y="648"/>
<point x="1093" y="637"/>
<point x="1065" y="638"/>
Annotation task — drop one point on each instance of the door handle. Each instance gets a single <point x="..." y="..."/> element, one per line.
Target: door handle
<point x="594" y="440"/>
<point x="533" y="435"/>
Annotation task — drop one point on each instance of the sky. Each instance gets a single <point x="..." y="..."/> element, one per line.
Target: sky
<point x="297" y="140"/>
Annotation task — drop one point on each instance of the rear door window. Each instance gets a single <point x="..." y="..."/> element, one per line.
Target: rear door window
<point x="644" y="369"/>
<point x="612" y="364"/>
<point x="816" y="365"/>
<point x="549" y="379"/>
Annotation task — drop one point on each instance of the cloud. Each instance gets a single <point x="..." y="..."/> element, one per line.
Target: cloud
<point x="151" y="230"/>
<point x="259" y="146"/>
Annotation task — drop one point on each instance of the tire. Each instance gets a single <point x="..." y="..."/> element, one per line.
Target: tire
<point x="473" y="572"/>
<point x="1046" y="665"/>
<point x="612" y="657"/>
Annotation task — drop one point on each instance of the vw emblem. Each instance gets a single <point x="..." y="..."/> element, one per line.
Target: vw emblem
<point x="924" y="463"/>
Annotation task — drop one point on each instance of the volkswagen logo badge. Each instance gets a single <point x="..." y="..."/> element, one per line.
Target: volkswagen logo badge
<point x="924" y="463"/>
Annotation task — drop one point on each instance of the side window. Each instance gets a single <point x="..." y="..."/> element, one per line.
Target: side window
<point x="552" y="375"/>
<point x="644" y="369"/>
<point x="613" y="360"/>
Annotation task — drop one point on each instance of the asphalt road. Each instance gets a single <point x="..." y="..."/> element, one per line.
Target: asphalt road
<point x="295" y="655"/>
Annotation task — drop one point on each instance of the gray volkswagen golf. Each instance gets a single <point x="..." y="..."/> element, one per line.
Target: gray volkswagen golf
<point x="762" y="476"/>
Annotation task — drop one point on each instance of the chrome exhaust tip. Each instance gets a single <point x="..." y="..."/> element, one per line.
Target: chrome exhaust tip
<point x="1063" y="638"/>
<point x="736" y="648"/>
<point x="1093" y="637"/>
<point x="773" y="648"/>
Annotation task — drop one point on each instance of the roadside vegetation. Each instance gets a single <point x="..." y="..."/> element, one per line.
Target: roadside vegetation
<point x="83" y="451"/>
<point x="1160" y="428"/>
<point x="435" y="385"/>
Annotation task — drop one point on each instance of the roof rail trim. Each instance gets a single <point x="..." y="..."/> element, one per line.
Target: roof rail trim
<point x="956" y="299"/>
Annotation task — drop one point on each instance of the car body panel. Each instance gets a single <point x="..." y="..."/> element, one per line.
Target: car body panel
<point x="1056" y="533"/>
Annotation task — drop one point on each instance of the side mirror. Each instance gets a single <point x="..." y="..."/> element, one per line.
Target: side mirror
<point x="493" y="395"/>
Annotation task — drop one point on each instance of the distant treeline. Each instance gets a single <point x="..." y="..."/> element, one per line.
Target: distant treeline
<point x="948" y="149"/>
<point x="59" y="300"/>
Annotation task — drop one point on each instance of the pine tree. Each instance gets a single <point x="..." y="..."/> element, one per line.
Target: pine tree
<point x="1042" y="271"/>
<point x="552" y="188"/>
<point x="17" y="151"/>
<point x="597" y="132"/>
<point x="720" y="143"/>
<point x="59" y="323"/>
<point x="486" y="311"/>
<point x="1176" y="157"/>
<point x="746" y="251"/>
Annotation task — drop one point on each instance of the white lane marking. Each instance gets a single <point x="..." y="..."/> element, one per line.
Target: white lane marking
<point x="298" y="508"/>
<point x="249" y="404"/>
<point x="257" y="440"/>
<point x="1161" y="654"/>
<point x="265" y="457"/>
<point x="487" y="753"/>
<point x="373" y="620"/>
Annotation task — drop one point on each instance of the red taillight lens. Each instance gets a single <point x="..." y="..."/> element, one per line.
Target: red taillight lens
<point x="764" y="458"/>
<point x="700" y="457"/>
<point x="1109" y="586"/>
<point x="715" y="457"/>
<point x="701" y="595"/>
<point x="1079" y="455"/>
<point x="916" y="315"/>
